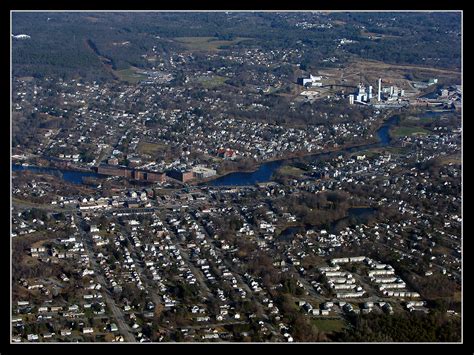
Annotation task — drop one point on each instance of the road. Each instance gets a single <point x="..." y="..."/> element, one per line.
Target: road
<point x="124" y="328"/>
<point x="197" y="273"/>
<point x="307" y="286"/>
<point x="141" y="271"/>
<point x="214" y="325"/>
<point x="419" y="258"/>
<point x="251" y="295"/>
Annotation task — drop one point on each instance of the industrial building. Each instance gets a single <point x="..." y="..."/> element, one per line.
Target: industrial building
<point x="112" y="161"/>
<point x="311" y="81"/>
<point x="201" y="172"/>
<point x="114" y="171"/>
<point x="148" y="176"/>
<point x="197" y="172"/>
<point x="364" y="96"/>
<point x="140" y="175"/>
<point x="183" y="176"/>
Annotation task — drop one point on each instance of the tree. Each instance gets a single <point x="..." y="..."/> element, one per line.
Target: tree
<point x="304" y="330"/>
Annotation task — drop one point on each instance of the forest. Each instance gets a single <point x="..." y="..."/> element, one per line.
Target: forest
<point x="411" y="327"/>
<point x="60" y="42"/>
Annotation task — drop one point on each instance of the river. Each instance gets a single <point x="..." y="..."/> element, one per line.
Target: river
<point x="262" y="174"/>
<point x="74" y="177"/>
<point x="266" y="170"/>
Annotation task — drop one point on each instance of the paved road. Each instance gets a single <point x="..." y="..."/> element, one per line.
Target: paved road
<point x="215" y="325"/>
<point x="141" y="271"/>
<point x="124" y="328"/>
<point x="197" y="272"/>
<point x="420" y="258"/>
<point x="307" y="286"/>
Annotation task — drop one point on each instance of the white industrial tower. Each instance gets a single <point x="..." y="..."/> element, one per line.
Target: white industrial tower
<point x="380" y="89"/>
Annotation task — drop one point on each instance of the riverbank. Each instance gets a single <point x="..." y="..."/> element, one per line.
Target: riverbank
<point x="287" y="157"/>
<point x="260" y="172"/>
<point x="73" y="176"/>
<point x="52" y="165"/>
<point x="383" y="139"/>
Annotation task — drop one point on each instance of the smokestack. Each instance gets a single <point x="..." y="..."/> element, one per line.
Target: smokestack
<point x="380" y="89"/>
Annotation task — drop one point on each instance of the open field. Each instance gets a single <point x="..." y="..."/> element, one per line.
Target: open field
<point x="369" y="153"/>
<point x="130" y="75"/>
<point x="392" y="74"/>
<point x="457" y="296"/>
<point x="150" y="148"/>
<point x="207" y="44"/>
<point x="91" y="19"/>
<point x="379" y="35"/>
<point x="23" y="204"/>
<point x="387" y="66"/>
<point x="451" y="159"/>
<point x="329" y="325"/>
<point x="402" y="131"/>
<point x="25" y="78"/>
<point x="211" y="82"/>
<point x="291" y="171"/>
<point x="422" y="120"/>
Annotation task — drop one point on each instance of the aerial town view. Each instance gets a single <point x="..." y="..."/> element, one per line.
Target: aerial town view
<point x="236" y="176"/>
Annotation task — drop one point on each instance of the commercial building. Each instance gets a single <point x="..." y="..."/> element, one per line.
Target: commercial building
<point x="201" y="172"/>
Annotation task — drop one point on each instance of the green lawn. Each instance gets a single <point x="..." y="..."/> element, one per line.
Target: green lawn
<point x="291" y="170"/>
<point x="211" y="82"/>
<point x="421" y="120"/>
<point x="370" y="153"/>
<point x="130" y="75"/>
<point x="455" y="159"/>
<point x="150" y="148"/>
<point x="26" y="78"/>
<point x="329" y="325"/>
<point x="402" y="131"/>
<point x="210" y="44"/>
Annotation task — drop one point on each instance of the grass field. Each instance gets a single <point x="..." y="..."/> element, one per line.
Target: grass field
<point x="150" y="148"/>
<point x="208" y="44"/>
<point x="130" y="75"/>
<point x="381" y="35"/>
<point x="26" y="78"/>
<point x="455" y="159"/>
<point x="211" y="82"/>
<point x="329" y="325"/>
<point x="291" y="171"/>
<point x="421" y="120"/>
<point x="457" y="296"/>
<point x="370" y="70"/>
<point x="369" y="153"/>
<point x="402" y="131"/>
<point x="45" y="206"/>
